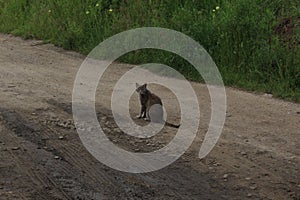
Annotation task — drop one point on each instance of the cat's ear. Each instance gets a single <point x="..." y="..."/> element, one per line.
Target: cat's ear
<point x="137" y="85"/>
<point x="145" y="85"/>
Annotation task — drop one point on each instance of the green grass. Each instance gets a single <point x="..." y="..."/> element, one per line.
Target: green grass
<point x="254" y="43"/>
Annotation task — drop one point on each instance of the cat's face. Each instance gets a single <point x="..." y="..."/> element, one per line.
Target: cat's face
<point x="141" y="89"/>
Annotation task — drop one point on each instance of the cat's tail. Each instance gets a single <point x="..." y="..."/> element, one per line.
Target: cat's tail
<point x="172" y="125"/>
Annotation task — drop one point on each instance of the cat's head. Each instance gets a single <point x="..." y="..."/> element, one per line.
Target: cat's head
<point x="141" y="89"/>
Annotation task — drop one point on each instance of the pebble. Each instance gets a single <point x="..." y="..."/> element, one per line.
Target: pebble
<point x="15" y="148"/>
<point x="243" y="153"/>
<point x="266" y="174"/>
<point x="268" y="95"/>
<point x="106" y="130"/>
<point x="249" y="195"/>
<point x="61" y="137"/>
<point x="253" y="187"/>
<point x="217" y="164"/>
<point x="56" y="157"/>
<point x="225" y="176"/>
<point x="117" y="130"/>
<point x="248" y="178"/>
<point x="259" y="152"/>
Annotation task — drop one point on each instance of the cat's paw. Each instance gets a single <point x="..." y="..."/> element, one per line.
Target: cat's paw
<point x="147" y="119"/>
<point x="138" y="117"/>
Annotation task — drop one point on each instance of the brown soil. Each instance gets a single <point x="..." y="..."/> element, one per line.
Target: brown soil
<point x="42" y="157"/>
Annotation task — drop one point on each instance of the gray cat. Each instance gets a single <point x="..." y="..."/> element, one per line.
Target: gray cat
<point x="151" y="106"/>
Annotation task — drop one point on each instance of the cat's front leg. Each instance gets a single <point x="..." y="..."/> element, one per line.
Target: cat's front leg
<point x="142" y="113"/>
<point x="146" y="117"/>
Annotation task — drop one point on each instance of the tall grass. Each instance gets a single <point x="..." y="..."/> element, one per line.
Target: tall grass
<point x="254" y="43"/>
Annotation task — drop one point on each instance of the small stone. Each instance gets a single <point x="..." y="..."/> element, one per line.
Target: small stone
<point x="106" y="130"/>
<point x="249" y="195"/>
<point x="56" y="157"/>
<point x="243" y="153"/>
<point x="268" y="95"/>
<point x="253" y="187"/>
<point x="248" y="178"/>
<point x="260" y="152"/>
<point x="15" y="148"/>
<point x="217" y="164"/>
<point x="225" y="176"/>
<point x="117" y="130"/>
<point x="61" y="137"/>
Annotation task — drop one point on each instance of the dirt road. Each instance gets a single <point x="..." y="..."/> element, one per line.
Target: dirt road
<point x="42" y="157"/>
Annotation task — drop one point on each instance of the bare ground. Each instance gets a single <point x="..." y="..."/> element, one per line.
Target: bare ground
<point x="42" y="157"/>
